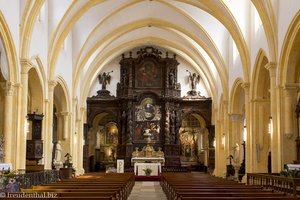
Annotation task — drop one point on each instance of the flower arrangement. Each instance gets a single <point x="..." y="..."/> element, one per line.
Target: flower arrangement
<point x="9" y="181"/>
<point x="147" y="171"/>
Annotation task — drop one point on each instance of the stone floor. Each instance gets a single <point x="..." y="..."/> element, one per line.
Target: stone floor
<point x="147" y="191"/>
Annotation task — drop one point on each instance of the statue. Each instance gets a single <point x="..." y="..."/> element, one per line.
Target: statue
<point x="136" y="153"/>
<point x="58" y="149"/>
<point x="104" y="79"/>
<point x="194" y="79"/>
<point x="171" y="78"/>
<point x="236" y="150"/>
<point x="57" y="156"/>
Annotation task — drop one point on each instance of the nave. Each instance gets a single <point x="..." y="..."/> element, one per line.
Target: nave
<point x="172" y="186"/>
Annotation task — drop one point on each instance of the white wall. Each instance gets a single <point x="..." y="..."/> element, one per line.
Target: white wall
<point x="39" y="41"/>
<point x="65" y="63"/>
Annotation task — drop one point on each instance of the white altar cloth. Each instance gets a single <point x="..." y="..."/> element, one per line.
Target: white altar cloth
<point x="139" y="168"/>
<point x="148" y="159"/>
<point x="5" y="166"/>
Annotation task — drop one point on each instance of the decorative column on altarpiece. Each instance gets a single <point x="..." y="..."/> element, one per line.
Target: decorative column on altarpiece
<point x="167" y="125"/>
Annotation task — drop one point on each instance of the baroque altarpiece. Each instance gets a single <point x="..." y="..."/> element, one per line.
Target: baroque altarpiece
<point x="148" y="101"/>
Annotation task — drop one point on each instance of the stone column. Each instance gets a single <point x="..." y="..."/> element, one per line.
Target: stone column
<point x="226" y="129"/>
<point x="249" y="142"/>
<point x="8" y="121"/>
<point x="65" y="124"/>
<point x="48" y="145"/>
<point x="275" y="137"/>
<point x="289" y="102"/>
<point x="21" y="138"/>
<point x="79" y="165"/>
<point x="290" y="133"/>
<point x="235" y="119"/>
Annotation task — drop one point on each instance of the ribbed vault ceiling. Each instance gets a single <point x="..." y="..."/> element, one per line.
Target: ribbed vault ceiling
<point x="198" y="31"/>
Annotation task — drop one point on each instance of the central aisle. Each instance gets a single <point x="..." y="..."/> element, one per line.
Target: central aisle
<point x="147" y="191"/>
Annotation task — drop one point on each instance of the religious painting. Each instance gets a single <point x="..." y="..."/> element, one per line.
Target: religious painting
<point x="143" y="130"/>
<point x="147" y="111"/>
<point x="147" y="118"/>
<point x="111" y="133"/>
<point x="148" y="74"/>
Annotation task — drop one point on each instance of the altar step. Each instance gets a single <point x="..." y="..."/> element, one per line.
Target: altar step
<point x="147" y="178"/>
<point x="147" y="191"/>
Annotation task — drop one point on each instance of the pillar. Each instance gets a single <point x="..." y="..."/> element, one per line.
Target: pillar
<point x="290" y="134"/>
<point x="236" y="135"/>
<point x="290" y="92"/>
<point x="48" y="145"/>
<point x="65" y="123"/>
<point x="21" y="137"/>
<point x="275" y="137"/>
<point x="226" y="130"/>
<point x="249" y="138"/>
<point x="8" y="122"/>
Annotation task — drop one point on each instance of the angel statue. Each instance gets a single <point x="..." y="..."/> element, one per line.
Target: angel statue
<point x="104" y="79"/>
<point x="194" y="79"/>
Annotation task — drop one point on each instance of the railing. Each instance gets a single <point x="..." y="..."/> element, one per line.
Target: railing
<point x="276" y="183"/>
<point x="27" y="180"/>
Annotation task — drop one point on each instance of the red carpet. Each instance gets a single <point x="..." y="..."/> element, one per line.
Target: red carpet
<point x="147" y="178"/>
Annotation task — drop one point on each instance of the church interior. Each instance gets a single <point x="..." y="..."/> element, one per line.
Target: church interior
<point x="93" y="86"/>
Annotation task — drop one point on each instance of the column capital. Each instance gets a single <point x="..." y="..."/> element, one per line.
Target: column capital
<point x="271" y="67"/>
<point x="26" y="65"/>
<point x="246" y="87"/>
<point x="52" y="84"/>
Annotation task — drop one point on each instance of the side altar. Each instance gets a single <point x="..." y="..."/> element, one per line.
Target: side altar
<point x="147" y="159"/>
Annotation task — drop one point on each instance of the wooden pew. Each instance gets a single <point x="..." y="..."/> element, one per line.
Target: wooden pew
<point x="189" y="186"/>
<point x="104" y="186"/>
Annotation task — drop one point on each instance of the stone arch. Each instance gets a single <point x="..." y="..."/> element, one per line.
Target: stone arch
<point x="261" y="140"/>
<point x="236" y="122"/>
<point x="61" y="112"/>
<point x="288" y="68"/>
<point x="35" y="92"/>
<point x="10" y="50"/>
<point x="100" y="149"/>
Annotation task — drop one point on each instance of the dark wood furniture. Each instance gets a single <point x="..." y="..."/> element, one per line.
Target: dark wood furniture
<point x="148" y="97"/>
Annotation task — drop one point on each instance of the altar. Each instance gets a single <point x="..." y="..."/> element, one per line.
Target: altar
<point x="140" y="169"/>
<point x="147" y="160"/>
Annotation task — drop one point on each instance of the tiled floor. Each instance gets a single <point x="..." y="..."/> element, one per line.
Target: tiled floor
<point x="147" y="191"/>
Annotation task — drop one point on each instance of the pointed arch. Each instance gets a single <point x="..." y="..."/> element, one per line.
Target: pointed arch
<point x="35" y="92"/>
<point x="10" y="50"/>
<point x="61" y="83"/>
<point x="290" y="49"/>
<point x="235" y="96"/>
<point x="28" y="21"/>
<point x="259" y="71"/>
